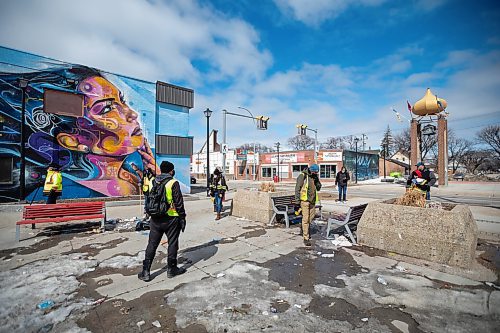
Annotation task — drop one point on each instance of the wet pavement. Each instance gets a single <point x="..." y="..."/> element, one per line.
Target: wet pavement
<point x="242" y="276"/>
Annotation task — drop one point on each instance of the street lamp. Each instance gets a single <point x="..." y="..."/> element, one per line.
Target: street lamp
<point x="356" y="140"/>
<point x="23" y="84"/>
<point x="208" y="113"/>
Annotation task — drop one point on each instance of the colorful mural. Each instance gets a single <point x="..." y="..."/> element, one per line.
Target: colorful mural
<point x="367" y="164"/>
<point x="102" y="153"/>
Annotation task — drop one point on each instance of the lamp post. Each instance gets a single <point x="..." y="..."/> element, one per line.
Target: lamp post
<point x="208" y="113"/>
<point x="23" y="84"/>
<point x="356" y="140"/>
<point x="278" y="148"/>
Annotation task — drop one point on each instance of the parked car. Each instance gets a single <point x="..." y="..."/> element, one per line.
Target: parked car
<point x="458" y="176"/>
<point x="193" y="180"/>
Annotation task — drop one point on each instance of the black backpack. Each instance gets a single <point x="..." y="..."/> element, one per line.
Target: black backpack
<point x="156" y="204"/>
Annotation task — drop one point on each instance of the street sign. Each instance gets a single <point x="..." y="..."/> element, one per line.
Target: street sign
<point x="224" y="148"/>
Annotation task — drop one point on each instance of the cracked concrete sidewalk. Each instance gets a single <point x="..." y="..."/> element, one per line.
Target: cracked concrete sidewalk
<point x="242" y="277"/>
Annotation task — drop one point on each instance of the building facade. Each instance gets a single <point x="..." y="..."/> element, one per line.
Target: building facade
<point x="102" y="129"/>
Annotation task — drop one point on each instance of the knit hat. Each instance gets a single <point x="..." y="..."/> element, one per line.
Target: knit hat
<point x="166" y="167"/>
<point x="314" y="168"/>
<point x="419" y="164"/>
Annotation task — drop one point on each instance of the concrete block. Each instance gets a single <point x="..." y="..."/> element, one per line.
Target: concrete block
<point x="255" y="205"/>
<point x="442" y="236"/>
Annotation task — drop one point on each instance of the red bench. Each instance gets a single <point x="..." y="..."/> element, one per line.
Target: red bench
<point x="62" y="212"/>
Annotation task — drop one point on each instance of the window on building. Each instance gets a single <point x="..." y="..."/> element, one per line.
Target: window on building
<point x="297" y="169"/>
<point x="62" y="103"/>
<point x="327" y="171"/>
<point x="266" y="172"/>
<point x="6" y="165"/>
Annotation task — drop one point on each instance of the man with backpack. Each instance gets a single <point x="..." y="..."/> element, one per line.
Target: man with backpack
<point x="168" y="216"/>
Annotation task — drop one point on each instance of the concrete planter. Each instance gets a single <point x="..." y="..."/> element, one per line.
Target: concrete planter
<point x="255" y="205"/>
<point x="443" y="236"/>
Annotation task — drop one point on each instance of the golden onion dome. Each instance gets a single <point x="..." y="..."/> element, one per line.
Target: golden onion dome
<point x="429" y="104"/>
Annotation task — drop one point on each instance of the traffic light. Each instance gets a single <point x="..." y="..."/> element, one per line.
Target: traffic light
<point x="302" y="129"/>
<point x="262" y="122"/>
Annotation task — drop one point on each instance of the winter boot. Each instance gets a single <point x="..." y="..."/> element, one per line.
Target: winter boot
<point x="145" y="275"/>
<point x="218" y="216"/>
<point x="173" y="270"/>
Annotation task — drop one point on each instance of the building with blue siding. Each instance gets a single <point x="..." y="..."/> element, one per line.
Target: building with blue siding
<point x="102" y="129"/>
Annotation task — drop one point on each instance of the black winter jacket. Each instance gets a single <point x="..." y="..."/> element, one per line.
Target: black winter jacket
<point x="342" y="178"/>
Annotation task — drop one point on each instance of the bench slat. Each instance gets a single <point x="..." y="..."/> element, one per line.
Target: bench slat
<point x="63" y="206"/>
<point x="61" y="219"/>
<point x="62" y="212"/>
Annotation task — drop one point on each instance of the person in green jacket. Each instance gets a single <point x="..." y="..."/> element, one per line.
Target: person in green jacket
<point x="306" y="192"/>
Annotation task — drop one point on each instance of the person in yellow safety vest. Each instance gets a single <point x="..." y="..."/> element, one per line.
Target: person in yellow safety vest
<point x="171" y="225"/>
<point x="147" y="184"/>
<point x="306" y="192"/>
<point x="53" y="184"/>
<point x="218" y="188"/>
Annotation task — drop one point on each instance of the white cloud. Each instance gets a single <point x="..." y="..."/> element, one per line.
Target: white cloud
<point x="315" y="12"/>
<point x="147" y="39"/>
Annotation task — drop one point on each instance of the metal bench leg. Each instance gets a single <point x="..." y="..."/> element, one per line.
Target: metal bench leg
<point x="350" y="234"/>
<point x="18" y="233"/>
<point x="287" y="220"/>
<point x="271" y="222"/>
<point x="328" y="230"/>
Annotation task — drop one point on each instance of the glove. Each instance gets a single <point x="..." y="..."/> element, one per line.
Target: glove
<point x="182" y="221"/>
<point x="424" y="187"/>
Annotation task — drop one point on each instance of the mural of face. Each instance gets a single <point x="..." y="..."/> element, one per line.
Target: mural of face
<point x="109" y="126"/>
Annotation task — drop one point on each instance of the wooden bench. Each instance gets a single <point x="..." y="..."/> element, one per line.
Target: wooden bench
<point x="285" y="205"/>
<point x="352" y="217"/>
<point x="63" y="212"/>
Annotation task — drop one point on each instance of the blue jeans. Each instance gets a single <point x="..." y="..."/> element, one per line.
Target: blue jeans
<point x="342" y="192"/>
<point x="218" y="201"/>
<point x="428" y="195"/>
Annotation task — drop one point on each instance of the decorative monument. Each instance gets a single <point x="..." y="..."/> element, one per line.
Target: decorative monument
<point x="429" y="110"/>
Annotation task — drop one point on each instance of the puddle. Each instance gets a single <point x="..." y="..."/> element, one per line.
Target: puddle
<point x="117" y="316"/>
<point x="302" y="269"/>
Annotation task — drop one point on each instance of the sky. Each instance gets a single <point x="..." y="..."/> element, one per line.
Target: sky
<point x="337" y="66"/>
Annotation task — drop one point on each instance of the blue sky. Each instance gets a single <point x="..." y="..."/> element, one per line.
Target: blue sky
<point x="338" y="66"/>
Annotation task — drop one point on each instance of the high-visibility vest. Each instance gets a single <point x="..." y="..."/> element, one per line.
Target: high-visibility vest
<point x="305" y="189"/>
<point x="170" y="199"/>
<point x="147" y="184"/>
<point x="53" y="182"/>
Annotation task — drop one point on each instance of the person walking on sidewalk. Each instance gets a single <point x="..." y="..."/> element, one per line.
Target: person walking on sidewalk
<point x="53" y="184"/>
<point x="171" y="224"/>
<point x="218" y="188"/>
<point x="341" y="181"/>
<point x="306" y="192"/>
<point x="422" y="178"/>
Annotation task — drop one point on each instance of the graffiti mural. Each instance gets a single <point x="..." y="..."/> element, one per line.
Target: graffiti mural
<point x="367" y="165"/>
<point x="101" y="153"/>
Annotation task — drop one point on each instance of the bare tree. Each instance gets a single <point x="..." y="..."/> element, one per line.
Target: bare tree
<point x="457" y="149"/>
<point x="349" y="142"/>
<point x="490" y="136"/>
<point x="473" y="160"/>
<point x="300" y="142"/>
<point x="333" y="143"/>
<point x="259" y="148"/>
<point x="402" y="142"/>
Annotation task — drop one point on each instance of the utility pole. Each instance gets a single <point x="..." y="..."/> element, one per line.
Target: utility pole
<point x="278" y="148"/>
<point x="261" y="124"/>
<point x="365" y="137"/>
